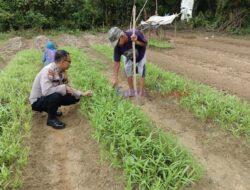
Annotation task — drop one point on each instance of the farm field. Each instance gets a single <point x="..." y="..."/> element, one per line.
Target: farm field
<point x="209" y="150"/>
<point x="221" y="62"/>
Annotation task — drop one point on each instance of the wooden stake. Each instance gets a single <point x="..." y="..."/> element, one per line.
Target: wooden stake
<point x="134" y="55"/>
<point x="175" y="29"/>
<point x="156" y="7"/>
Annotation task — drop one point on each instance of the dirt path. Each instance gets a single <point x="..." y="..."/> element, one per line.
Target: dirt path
<point x="68" y="159"/>
<point x="225" y="158"/>
<point x="236" y="46"/>
<point x="11" y="47"/>
<point x="220" y="62"/>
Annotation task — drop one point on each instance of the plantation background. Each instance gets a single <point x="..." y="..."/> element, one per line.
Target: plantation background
<point x="229" y="15"/>
<point x="192" y="131"/>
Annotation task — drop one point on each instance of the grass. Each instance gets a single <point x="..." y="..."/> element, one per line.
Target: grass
<point x="161" y="44"/>
<point x="15" y="116"/>
<point x="207" y="103"/>
<point x="1" y="58"/>
<point x="5" y="36"/>
<point x="149" y="158"/>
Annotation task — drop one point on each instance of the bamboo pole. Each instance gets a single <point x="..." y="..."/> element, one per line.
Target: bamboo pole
<point x="134" y="55"/>
<point x="156" y="7"/>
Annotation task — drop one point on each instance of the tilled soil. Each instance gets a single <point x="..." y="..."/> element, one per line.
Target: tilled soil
<point x="224" y="157"/>
<point x="221" y="62"/>
<point x="67" y="159"/>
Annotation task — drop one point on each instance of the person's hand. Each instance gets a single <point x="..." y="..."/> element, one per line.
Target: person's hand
<point x="134" y="37"/>
<point x="69" y="90"/>
<point x="51" y="73"/>
<point x="88" y="93"/>
<point x="65" y="78"/>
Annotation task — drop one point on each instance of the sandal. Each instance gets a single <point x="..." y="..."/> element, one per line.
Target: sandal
<point x="129" y="93"/>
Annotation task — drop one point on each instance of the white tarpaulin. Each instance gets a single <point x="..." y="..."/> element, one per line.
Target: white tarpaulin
<point x="156" y="21"/>
<point x="187" y="9"/>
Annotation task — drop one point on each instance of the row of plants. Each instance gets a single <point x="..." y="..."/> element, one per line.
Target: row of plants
<point x="161" y="44"/>
<point x="149" y="158"/>
<point x="205" y="102"/>
<point x="15" y="116"/>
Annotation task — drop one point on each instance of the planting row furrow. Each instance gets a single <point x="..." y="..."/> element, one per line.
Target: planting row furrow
<point x="149" y="158"/>
<point x="205" y="102"/>
<point x="15" y="116"/>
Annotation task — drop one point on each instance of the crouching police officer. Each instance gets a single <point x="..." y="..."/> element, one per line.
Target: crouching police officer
<point x="50" y="90"/>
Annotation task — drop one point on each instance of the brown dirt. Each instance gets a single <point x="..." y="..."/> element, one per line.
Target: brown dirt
<point x="11" y="47"/>
<point x="67" y="159"/>
<point x="40" y="42"/>
<point x="221" y="62"/>
<point x="225" y="158"/>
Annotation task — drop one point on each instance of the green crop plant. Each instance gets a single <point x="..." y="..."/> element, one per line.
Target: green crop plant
<point x="149" y="158"/>
<point x="161" y="44"/>
<point x="15" y="116"/>
<point x="207" y="103"/>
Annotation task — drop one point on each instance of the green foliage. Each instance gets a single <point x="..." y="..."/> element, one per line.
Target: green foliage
<point x="159" y="44"/>
<point x="150" y="159"/>
<point x="205" y="102"/>
<point x="87" y="14"/>
<point x="224" y="15"/>
<point x="22" y="14"/>
<point x="15" y="116"/>
<point x="201" y="21"/>
<point x="77" y="14"/>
